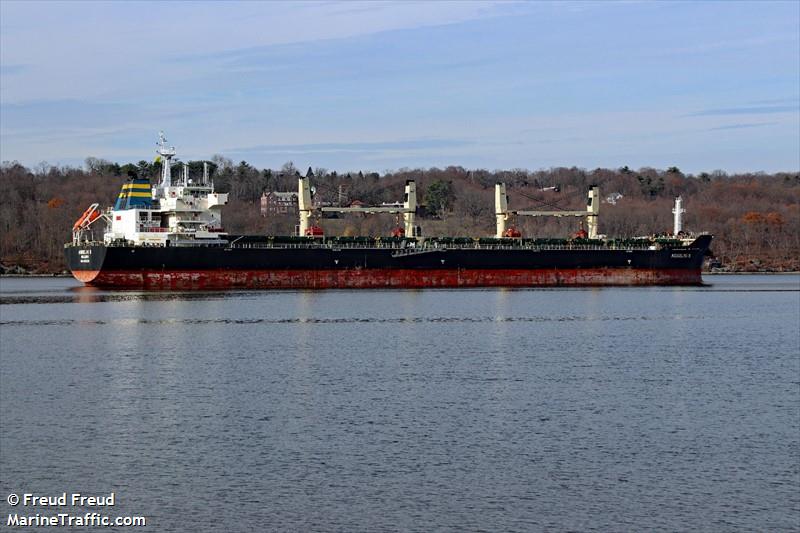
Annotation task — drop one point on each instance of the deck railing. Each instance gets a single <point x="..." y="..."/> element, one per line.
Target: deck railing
<point x="398" y="248"/>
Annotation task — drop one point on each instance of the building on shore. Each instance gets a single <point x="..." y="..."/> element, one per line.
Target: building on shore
<point x="278" y="203"/>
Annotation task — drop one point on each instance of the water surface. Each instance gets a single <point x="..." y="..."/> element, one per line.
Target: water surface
<point x="381" y="410"/>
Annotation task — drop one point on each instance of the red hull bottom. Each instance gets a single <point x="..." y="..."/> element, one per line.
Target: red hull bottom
<point x="386" y="278"/>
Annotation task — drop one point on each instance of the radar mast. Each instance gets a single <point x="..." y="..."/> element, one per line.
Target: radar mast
<point x="166" y="154"/>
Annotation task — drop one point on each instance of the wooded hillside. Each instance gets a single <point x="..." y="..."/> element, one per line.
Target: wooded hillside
<point x="754" y="217"/>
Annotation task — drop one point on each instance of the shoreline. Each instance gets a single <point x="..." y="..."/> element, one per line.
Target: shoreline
<point x="56" y="275"/>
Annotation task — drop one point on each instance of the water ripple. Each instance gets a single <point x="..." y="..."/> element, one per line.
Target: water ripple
<point x="337" y="320"/>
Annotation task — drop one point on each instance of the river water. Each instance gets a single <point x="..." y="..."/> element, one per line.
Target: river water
<point x="398" y="410"/>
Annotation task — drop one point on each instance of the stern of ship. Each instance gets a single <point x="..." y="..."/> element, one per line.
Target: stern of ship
<point x="85" y="261"/>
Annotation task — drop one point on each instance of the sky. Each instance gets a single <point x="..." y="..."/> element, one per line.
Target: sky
<point x="377" y="86"/>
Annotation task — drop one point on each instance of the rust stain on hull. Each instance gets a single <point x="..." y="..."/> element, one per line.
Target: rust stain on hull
<point x="386" y="278"/>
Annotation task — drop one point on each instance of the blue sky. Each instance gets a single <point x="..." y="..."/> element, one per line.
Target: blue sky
<point x="381" y="85"/>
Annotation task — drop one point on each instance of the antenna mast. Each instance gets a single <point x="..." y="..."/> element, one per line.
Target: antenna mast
<point x="166" y="153"/>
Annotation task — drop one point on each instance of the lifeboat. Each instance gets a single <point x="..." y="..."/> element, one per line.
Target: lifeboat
<point x="512" y="233"/>
<point x="88" y="216"/>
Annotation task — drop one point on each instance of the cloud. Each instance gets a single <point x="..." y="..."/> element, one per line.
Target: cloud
<point x="42" y="117"/>
<point x="752" y="110"/>
<point x="359" y="147"/>
<point x="404" y="84"/>
<point x="742" y="126"/>
<point x="10" y="70"/>
<point x="793" y="100"/>
<point x="731" y="44"/>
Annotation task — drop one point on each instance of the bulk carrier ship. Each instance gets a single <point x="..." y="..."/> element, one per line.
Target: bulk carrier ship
<point x="170" y="236"/>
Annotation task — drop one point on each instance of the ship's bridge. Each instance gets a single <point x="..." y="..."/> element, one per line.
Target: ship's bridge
<point x="170" y="213"/>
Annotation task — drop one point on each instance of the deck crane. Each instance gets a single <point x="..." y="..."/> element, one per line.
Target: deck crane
<point x="408" y="209"/>
<point x="502" y="213"/>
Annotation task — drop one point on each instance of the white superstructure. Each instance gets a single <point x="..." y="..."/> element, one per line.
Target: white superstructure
<point x="174" y="212"/>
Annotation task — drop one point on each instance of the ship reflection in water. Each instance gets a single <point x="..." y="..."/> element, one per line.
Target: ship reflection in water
<point x="87" y="294"/>
<point x="669" y="408"/>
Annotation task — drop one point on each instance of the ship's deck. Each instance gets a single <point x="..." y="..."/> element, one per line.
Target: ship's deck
<point x="411" y="246"/>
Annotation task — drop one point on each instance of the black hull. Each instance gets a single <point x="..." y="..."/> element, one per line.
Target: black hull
<point x="330" y="267"/>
